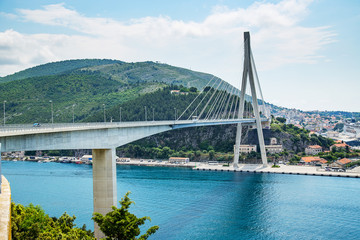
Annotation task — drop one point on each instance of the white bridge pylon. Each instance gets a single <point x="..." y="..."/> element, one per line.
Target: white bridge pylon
<point x="248" y="74"/>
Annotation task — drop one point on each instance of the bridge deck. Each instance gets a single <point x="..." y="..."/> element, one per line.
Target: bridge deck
<point x="27" y="129"/>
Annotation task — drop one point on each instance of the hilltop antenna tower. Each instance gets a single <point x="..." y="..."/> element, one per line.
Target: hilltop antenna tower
<point x="248" y="74"/>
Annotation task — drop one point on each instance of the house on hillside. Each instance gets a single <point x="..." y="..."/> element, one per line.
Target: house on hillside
<point x="247" y="148"/>
<point x="273" y="147"/>
<point x="312" y="160"/>
<point x="313" y="149"/>
<point x="339" y="146"/>
<point x="176" y="92"/>
<point x="343" y="162"/>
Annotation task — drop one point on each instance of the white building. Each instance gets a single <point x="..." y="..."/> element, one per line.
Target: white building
<point x="352" y="129"/>
<point x="247" y="148"/>
<point x="274" y="148"/>
<point x="313" y="149"/>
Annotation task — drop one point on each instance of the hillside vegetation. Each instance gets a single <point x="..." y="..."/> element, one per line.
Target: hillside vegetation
<point x="56" y="68"/>
<point x="27" y="100"/>
<point x="85" y="87"/>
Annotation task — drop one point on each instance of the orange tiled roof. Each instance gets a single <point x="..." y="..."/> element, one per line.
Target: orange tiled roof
<point x="323" y="161"/>
<point x="344" y="161"/>
<point x="310" y="159"/>
<point x="340" y="145"/>
<point x="314" y="146"/>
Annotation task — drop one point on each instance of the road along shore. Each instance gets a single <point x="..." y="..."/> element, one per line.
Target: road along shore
<point x="253" y="168"/>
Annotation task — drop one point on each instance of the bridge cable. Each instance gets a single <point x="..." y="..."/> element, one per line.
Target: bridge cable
<point x="258" y="83"/>
<point x="215" y="104"/>
<point x="202" y="100"/>
<point x="227" y="103"/>
<point x="221" y="106"/>
<point x="232" y="102"/>
<point x="195" y="99"/>
<point x="215" y="90"/>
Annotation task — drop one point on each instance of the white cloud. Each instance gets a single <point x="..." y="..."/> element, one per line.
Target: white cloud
<point x="212" y="45"/>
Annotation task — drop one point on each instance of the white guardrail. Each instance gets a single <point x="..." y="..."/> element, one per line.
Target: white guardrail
<point x="18" y="128"/>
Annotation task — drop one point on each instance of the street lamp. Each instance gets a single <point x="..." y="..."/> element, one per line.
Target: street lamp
<point x="52" y="112"/>
<point x="104" y="113"/>
<point x="4" y="112"/>
<point x="145" y="114"/>
<point x="73" y="112"/>
<point x="120" y="114"/>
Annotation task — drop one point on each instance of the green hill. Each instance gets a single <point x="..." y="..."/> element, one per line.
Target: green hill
<point x="27" y="100"/>
<point x="56" y="68"/>
<point x="142" y="72"/>
<point x="87" y="85"/>
<point x="129" y="73"/>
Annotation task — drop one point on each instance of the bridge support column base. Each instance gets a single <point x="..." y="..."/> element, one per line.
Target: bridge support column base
<point x="104" y="183"/>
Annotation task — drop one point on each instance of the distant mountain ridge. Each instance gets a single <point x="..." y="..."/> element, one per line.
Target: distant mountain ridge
<point x="55" y="68"/>
<point x="127" y="73"/>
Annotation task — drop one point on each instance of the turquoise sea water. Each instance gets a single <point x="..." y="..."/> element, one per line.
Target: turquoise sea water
<point x="188" y="204"/>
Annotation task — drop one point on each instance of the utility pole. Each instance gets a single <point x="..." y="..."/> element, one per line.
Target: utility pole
<point x="4" y="113"/>
<point x="145" y="115"/>
<point x="104" y="113"/>
<point x="120" y="115"/>
<point x="73" y="113"/>
<point x="52" y="112"/>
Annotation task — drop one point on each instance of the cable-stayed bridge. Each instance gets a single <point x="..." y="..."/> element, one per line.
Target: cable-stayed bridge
<point x="217" y="104"/>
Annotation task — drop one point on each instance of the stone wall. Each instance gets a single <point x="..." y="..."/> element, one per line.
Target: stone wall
<point x="5" y="210"/>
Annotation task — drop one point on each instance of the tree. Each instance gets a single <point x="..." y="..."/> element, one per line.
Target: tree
<point x="120" y="224"/>
<point x="31" y="222"/>
<point x="211" y="154"/>
<point x="281" y="119"/>
<point x="193" y="89"/>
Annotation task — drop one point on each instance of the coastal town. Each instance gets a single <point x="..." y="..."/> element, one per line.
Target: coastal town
<point x="343" y="155"/>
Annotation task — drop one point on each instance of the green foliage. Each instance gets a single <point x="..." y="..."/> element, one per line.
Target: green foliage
<point x="281" y="120"/>
<point x="85" y="85"/>
<point x="31" y="222"/>
<point x="299" y="136"/>
<point x="28" y="99"/>
<point x="211" y="154"/>
<point x="139" y="151"/>
<point x="134" y="110"/>
<point x="295" y="159"/>
<point x="56" y="68"/>
<point x="338" y="153"/>
<point x="120" y="224"/>
<point x="193" y="89"/>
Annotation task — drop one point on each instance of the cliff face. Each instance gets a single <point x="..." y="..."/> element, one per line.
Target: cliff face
<point x="222" y="138"/>
<point x="285" y="139"/>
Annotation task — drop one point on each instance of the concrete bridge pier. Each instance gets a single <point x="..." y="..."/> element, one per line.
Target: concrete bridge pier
<point x="104" y="183"/>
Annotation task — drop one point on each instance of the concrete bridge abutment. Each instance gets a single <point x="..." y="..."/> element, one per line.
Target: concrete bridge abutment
<point x="104" y="183"/>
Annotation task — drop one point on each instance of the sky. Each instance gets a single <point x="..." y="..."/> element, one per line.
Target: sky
<point x="307" y="52"/>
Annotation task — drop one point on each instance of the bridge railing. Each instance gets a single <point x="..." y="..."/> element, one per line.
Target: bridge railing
<point x="73" y="126"/>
